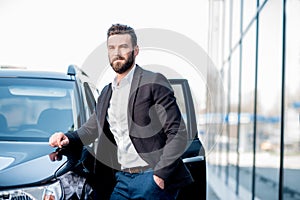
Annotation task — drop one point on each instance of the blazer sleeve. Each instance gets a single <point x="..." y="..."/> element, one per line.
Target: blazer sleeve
<point x="86" y="134"/>
<point x="173" y="127"/>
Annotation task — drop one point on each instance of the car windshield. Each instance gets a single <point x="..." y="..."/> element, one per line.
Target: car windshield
<point x="32" y="109"/>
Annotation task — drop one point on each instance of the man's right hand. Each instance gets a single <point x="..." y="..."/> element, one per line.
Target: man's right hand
<point x="58" y="139"/>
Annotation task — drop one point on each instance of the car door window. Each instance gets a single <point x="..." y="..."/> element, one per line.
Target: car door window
<point x="185" y="102"/>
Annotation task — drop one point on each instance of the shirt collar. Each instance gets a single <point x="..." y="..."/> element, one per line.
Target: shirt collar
<point x="128" y="78"/>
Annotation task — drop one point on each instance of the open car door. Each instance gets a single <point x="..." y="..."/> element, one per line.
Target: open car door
<point x="194" y="156"/>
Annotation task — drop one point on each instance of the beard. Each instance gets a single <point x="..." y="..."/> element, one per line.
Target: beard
<point x="120" y="68"/>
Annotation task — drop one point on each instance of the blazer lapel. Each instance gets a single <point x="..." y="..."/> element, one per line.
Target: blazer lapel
<point x="103" y="104"/>
<point x="136" y="79"/>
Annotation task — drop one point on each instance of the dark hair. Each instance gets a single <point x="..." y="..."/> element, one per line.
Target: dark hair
<point x="117" y="29"/>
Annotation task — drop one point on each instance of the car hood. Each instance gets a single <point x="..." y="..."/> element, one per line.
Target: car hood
<point x="26" y="163"/>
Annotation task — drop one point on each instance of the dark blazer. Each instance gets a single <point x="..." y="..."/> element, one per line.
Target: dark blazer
<point x="156" y="128"/>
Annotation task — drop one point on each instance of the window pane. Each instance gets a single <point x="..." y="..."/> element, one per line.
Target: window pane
<point x="269" y="101"/>
<point x="292" y="104"/>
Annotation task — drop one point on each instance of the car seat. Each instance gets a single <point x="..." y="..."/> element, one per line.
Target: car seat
<point x="3" y="123"/>
<point x="53" y="120"/>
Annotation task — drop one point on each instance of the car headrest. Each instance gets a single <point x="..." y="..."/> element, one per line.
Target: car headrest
<point x="52" y="120"/>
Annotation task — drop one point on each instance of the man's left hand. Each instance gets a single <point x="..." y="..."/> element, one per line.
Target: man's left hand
<point x="159" y="181"/>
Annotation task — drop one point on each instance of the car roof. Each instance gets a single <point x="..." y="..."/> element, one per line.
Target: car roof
<point x="23" y="73"/>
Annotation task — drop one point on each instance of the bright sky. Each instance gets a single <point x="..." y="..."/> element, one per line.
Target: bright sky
<point x="53" y="34"/>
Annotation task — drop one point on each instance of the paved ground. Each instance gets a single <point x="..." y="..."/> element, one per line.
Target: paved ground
<point x="211" y="195"/>
<point x="266" y="184"/>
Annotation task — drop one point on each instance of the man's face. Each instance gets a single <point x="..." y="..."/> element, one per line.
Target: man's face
<point x="121" y="53"/>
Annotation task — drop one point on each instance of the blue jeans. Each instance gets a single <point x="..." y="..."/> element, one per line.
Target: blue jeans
<point x="140" y="186"/>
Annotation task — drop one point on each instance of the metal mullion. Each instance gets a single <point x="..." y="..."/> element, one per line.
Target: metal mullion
<point x="281" y="168"/>
<point x="239" y="102"/>
<point x="222" y="74"/>
<point x="229" y="93"/>
<point x="255" y="104"/>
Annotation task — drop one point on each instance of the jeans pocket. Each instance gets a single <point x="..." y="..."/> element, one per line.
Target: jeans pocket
<point x="154" y="184"/>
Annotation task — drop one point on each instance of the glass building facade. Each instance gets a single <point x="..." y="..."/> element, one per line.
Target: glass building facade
<point x="255" y="45"/>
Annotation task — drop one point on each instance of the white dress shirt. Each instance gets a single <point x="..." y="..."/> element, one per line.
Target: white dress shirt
<point x="117" y="119"/>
